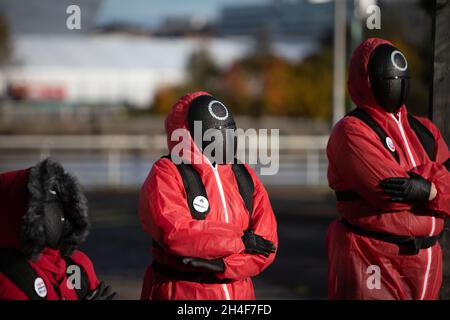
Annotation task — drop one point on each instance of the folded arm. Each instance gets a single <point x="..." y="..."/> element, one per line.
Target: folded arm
<point x="165" y="215"/>
<point x="438" y="173"/>
<point x="358" y="157"/>
<point x="263" y="223"/>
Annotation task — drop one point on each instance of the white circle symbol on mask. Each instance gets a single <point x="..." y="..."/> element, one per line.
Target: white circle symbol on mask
<point x="200" y="204"/>
<point x="390" y="144"/>
<point x="39" y="287"/>
<point x="393" y="54"/>
<point x="215" y="116"/>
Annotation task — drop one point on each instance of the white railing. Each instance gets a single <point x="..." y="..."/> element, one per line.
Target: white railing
<point x="125" y="160"/>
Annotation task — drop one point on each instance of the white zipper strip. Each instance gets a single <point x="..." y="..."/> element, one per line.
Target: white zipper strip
<point x="225" y="289"/>
<point x="433" y="226"/>
<point x="427" y="273"/>
<point x="399" y="123"/>
<point x="222" y="197"/>
<point x="222" y="194"/>
<point x="433" y="223"/>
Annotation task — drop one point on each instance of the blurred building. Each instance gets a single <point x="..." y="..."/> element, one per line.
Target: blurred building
<point x="302" y="19"/>
<point x="113" y="69"/>
<point x="51" y="63"/>
<point x="47" y="16"/>
<point x="101" y="69"/>
<point x="184" y="25"/>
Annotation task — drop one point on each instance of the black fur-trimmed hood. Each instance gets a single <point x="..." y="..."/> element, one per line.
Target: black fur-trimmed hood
<point x="32" y="234"/>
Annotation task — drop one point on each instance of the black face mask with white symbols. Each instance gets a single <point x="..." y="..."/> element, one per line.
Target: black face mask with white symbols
<point x="389" y="77"/>
<point x="217" y="126"/>
<point x="54" y="219"/>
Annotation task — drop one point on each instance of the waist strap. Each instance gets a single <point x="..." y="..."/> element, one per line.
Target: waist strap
<point x="200" y="277"/>
<point x="415" y="243"/>
<point x="347" y="195"/>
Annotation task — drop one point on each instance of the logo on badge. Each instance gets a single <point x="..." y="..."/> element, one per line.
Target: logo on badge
<point x="200" y="204"/>
<point x="390" y="144"/>
<point x="40" y="288"/>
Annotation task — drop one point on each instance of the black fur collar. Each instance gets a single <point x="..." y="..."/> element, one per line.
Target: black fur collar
<point x="33" y="231"/>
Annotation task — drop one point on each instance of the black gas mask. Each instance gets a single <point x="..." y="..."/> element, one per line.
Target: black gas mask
<point x="389" y="77"/>
<point x="55" y="223"/>
<point x="212" y="126"/>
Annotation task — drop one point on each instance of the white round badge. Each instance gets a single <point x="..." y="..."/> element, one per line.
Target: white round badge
<point x="390" y="144"/>
<point x="40" y="288"/>
<point x="200" y="204"/>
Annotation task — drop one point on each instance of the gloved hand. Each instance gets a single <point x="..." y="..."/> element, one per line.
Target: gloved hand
<point x="103" y="292"/>
<point x="256" y="244"/>
<point x="414" y="189"/>
<point x="215" y="265"/>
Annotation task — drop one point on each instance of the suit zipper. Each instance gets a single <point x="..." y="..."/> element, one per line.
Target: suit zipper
<point x="222" y="194"/>
<point x="402" y="131"/>
<point x="222" y="197"/>
<point x="433" y="221"/>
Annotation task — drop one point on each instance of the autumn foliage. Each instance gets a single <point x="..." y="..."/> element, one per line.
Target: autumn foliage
<point x="260" y="84"/>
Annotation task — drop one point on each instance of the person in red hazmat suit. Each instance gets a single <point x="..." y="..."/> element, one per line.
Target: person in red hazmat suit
<point x="43" y="220"/>
<point x="390" y="173"/>
<point x="210" y="218"/>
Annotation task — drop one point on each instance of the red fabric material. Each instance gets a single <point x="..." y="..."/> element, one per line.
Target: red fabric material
<point x="358" y="161"/>
<point x="13" y="204"/>
<point x="50" y="266"/>
<point x="165" y="216"/>
<point x="81" y="259"/>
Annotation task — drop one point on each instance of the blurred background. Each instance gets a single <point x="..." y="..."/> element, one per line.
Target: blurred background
<point x="95" y="99"/>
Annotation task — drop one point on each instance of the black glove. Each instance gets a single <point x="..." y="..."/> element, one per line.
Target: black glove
<point x="256" y="244"/>
<point x="215" y="265"/>
<point x="103" y="292"/>
<point x="447" y="164"/>
<point x="415" y="189"/>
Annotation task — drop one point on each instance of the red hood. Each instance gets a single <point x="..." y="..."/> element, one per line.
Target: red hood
<point x="13" y="205"/>
<point x="22" y="213"/>
<point x="177" y="119"/>
<point x="358" y="77"/>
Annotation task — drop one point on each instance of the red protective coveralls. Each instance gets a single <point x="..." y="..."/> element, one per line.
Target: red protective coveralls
<point x="358" y="161"/>
<point x="165" y="216"/>
<point x="50" y="266"/>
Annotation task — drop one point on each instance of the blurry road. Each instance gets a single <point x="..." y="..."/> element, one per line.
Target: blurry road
<point x="120" y="249"/>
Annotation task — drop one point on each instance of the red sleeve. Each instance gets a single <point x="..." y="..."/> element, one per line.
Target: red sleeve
<point x="437" y="173"/>
<point x="357" y="157"/>
<point x="243" y="265"/>
<point x="83" y="260"/>
<point x="9" y="291"/>
<point x="165" y="216"/>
